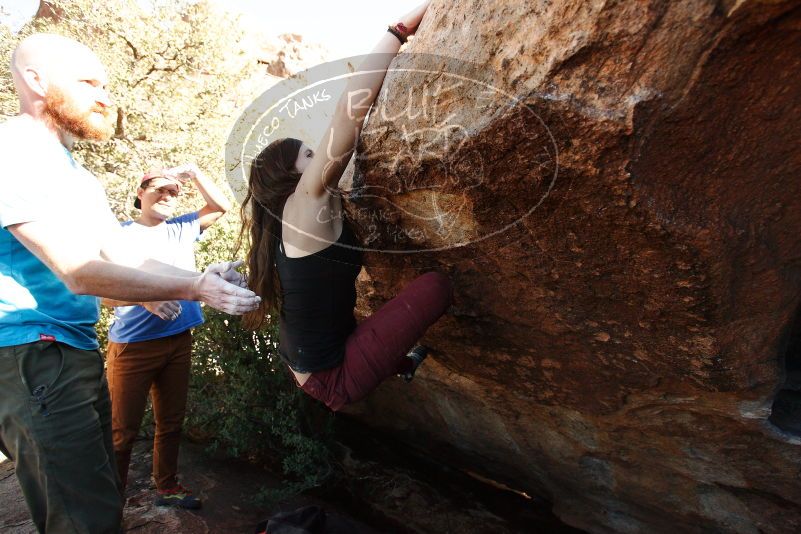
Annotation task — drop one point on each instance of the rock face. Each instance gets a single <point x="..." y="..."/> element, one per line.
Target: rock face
<point x="615" y="190"/>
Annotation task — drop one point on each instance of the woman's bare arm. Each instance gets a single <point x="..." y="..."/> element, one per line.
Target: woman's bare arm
<point x="339" y="140"/>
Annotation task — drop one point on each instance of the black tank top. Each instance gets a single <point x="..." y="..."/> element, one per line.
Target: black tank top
<point x="318" y="294"/>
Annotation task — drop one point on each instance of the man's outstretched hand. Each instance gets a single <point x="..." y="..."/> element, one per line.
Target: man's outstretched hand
<point x="223" y="288"/>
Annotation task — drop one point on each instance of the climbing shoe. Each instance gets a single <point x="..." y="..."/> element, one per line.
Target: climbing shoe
<point x="178" y="496"/>
<point x="417" y="355"/>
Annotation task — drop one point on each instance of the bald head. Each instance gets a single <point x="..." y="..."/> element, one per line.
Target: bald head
<point x="62" y="81"/>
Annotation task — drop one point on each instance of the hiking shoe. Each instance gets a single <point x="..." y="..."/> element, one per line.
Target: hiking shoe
<point x="178" y="496"/>
<point x="417" y="354"/>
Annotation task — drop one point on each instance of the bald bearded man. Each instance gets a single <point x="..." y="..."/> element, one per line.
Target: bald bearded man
<point x="60" y="247"/>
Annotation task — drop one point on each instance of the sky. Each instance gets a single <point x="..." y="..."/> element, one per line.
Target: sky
<point x="345" y="27"/>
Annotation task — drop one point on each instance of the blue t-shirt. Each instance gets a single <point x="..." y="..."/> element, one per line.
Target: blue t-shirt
<point x="40" y="182"/>
<point x="171" y="242"/>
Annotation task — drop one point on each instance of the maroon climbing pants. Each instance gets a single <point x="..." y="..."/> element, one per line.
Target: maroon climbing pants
<point x="377" y="348"/>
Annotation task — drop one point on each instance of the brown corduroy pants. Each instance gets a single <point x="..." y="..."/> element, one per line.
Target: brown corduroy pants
<point x="161" y="367"/>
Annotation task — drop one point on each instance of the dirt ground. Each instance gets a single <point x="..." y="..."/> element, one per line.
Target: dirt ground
<point x="382" y="492"/>
<point x="226" y="487"/>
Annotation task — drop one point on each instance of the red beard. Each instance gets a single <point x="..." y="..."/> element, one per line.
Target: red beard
<point x="82" y="125"/>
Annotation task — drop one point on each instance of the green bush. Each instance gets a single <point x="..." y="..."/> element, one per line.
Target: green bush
<point x="242" y="395"/>
<point x="244" y="400"/>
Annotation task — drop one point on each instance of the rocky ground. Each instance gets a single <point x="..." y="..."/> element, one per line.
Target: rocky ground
<point x="384" y="491"/>
<point x="226" y="487"/>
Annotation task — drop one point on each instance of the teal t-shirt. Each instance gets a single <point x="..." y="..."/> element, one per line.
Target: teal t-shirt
<point x="39" y="180"/>
<point x="35" y="303"/>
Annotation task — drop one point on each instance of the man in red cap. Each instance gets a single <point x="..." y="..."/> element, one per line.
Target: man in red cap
<point x="150" y="343"/>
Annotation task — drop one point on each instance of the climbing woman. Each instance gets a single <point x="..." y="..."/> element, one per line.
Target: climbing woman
<point x="304" y="258"/>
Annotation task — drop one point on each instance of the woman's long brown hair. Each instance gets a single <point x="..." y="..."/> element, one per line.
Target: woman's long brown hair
<point x="272" y="179"/>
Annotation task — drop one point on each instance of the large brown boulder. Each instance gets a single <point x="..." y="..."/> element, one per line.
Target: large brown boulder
<point x="618" y="204"/>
